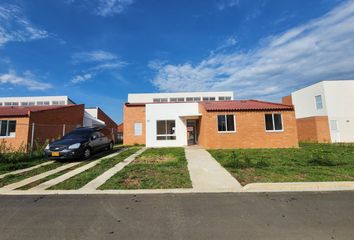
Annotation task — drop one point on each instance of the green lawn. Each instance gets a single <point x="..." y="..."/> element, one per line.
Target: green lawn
<point x="156" y="168"/>
<point x="310" y="162"/>
<point x="18" y="177"/>
<point x="9" y="166"/>
<point x="85" y="177"/>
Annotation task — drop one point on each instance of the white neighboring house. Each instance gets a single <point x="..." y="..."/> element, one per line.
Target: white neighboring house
<point x="90" y="115"/>
<point x="91" y="118"/>
<point x="35" y="101"/>
<point x="332" y="98"/>
<point x="176" y="119"/>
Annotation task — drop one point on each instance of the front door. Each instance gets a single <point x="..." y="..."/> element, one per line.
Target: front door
<point x="334" y="131"/>
<point x="191" y="132"/>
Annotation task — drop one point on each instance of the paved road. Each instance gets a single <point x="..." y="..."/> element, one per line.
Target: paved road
<point x="190" y="216"/>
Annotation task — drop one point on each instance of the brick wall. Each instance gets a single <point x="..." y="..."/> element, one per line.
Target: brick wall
<point x="49" y="123"/>
<point x="287" y="100"/>
<point x="250" y="131"/>
<point x="110" y="124"/>
<point x="313" y="129"/>
<point x="19" y="142"/>
<point x="133" y="114"/>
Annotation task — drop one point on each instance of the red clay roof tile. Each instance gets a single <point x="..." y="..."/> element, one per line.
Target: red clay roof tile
<point x="18" y="111"/>
<point x="244" y="105"/>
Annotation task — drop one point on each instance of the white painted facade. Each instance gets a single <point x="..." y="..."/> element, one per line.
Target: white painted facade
<point x="337" y="104"/>
<point x="179" y="112"/>
<point x="35" y="101"/>
<point x="91" y="118"/>
<point x="149" y="97"/>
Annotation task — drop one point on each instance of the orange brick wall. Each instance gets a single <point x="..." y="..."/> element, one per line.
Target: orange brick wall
<point x="110" y="124"/>
<point x="49" y="123"/>
<point x="133" y="114"/>
<point x="287" y="100"/>
<point x="250" y="131"/>
<point x="20" y="141"/>
<point x="313" y="129"/>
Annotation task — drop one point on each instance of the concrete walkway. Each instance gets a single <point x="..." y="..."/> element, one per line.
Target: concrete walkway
<point x="97" y="182"/>
<point x="37" y="177"/>
<point x="25" y="169"/>
<point x="72" y="173"/>
<point x="207" y="174"/>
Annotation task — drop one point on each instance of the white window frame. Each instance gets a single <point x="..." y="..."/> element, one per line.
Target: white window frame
<point x="138" y="133"/>
<point x="224" y="98"/>
<point x="9" y="134"/>
<point x="217" y="123"/>
<point x="320" y="96"/>
<point x="265" y="123"/>
<point x="166" y="135"/>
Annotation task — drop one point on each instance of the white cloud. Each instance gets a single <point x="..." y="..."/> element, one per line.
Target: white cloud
<point x="15" y="27"/>
<point x="93" y="56"/>
<point x="95" y="62"/>
<point x="81" y="78"/>
<point x="104" y="8"/>
<point x="223" y="4"/>
<point x="26" y="80"/>
<point x="321" y="49"/>
<point x="107" y="8"/>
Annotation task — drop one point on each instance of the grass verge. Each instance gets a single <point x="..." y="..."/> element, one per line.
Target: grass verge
<point x="85" y="177"/>
<point x="156" y="168"/>
<point x="19" y="177"/>
<point x="309" y="163"/>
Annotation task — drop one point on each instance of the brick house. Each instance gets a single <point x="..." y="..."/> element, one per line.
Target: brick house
<point x="207" y="119"/>
<point x="49" y="122"/>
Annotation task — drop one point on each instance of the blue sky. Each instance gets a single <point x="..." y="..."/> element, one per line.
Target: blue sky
<point x="98" y="51"/>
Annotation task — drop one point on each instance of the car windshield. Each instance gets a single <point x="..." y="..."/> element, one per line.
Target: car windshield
<point x="77" y="135"/>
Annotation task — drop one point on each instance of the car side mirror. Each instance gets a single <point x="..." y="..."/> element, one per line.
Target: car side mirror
<point x="93" y="137"/>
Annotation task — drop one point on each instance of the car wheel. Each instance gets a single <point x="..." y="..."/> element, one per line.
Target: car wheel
<point x="87" y="153"/>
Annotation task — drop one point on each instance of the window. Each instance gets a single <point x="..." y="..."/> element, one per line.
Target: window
<point x="208" y="98"/>
<point x="180" y="99"/>
<point x="224" y="98"/>
<point x="193" y="99"/>
<point x="11" y="103"/>
<point x="0" y="103"/>
<point x="43" y="103"/>
<point x="160" y="100"/>
<point x="226" y="123"/>
<point x="318" y="100"/>
<point x="165" y="130"/>
<point x="173" y="99"/>
<point x="273" y="122"/>
<point x="24" y="103"/>
<point x="138" y="129"/>
<point x="7" y="128"/>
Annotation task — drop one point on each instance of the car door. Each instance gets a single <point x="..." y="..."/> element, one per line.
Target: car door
<point x="95" y="141"/>
<point x="104" y="140"/>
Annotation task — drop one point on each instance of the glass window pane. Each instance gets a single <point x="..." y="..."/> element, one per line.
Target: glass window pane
<point x="138" y="129"/>
<point x="230" y="123"/>
<point x="163" y="99"/>
<point x="171" y="137"/>
<point x="3" y="128"/>
<point x="156" y="100"/>
<point x="319" y="104"/>
<point x="221" y="123"/>
<point x="12" y="126"/>
<point x="196" y="99"/>
<point x="269" y="122"/>
<point x="277" y="122"/>
<point x="170" y="127"/>
<point x="160" y="127"/>
<point x="189" y="99"/>
<point x="161" y="137"/>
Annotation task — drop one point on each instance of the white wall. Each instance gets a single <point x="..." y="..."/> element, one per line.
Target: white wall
<point x="340" y="108"/>
<point x="148" y="97"/>
<point x="169" y="111"/>
<point x="304" y="101"/>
